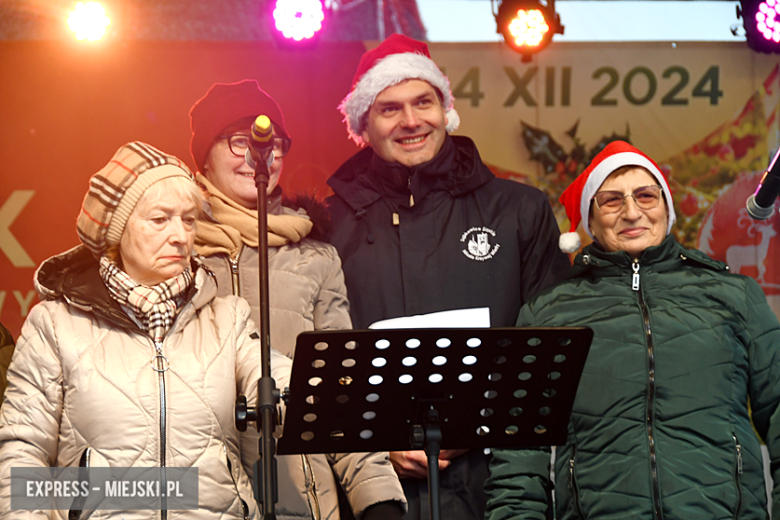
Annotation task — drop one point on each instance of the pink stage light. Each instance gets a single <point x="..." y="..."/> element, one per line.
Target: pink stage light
<point x="768" y="21"/>
<point x="761" y="21"/>
<point x="298" y="19"/>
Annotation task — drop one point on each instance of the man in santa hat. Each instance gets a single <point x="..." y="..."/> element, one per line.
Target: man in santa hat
<point x="422" y="225"/>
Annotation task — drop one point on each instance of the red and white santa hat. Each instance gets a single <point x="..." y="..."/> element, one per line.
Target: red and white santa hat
<point x="578" y="196"/>
<point x="396" y="59"/>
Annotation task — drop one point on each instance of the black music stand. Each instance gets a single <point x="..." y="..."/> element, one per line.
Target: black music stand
<point x="400" y="389"/>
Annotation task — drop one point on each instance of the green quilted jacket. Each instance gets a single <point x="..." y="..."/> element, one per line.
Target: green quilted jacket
<point x="660" y="425"/>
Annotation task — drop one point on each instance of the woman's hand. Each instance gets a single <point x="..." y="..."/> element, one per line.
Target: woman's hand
<point x="414" y="464"/>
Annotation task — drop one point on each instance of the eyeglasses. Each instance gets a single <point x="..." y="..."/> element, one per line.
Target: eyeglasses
<point x="238" y="144"/>
<point x="646" y="197"/>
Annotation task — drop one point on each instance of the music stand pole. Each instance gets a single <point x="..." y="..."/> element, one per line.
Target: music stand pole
<point x="432" y="434"/>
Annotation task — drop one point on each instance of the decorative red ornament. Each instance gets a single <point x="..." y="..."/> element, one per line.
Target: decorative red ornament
<point x="748" y="246"/>
<point x="689" y="205"/>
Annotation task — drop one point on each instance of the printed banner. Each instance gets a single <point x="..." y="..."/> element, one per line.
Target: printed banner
<point x="707" y="113"/>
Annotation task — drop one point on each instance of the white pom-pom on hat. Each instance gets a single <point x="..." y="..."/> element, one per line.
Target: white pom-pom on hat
<point x="570" y="242"/>
<point x="453" y="120"/>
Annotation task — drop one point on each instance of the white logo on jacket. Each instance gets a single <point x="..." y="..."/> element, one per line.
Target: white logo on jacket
<point x="478" y="243"/>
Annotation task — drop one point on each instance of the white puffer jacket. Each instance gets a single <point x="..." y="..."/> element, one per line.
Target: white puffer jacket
<point x="81" y="379"/>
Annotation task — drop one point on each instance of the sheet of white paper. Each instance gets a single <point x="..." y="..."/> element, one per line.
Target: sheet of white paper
<point x="456" y="319"/>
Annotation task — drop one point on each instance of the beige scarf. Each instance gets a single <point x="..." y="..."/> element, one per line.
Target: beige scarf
<point x="234" y="225"/>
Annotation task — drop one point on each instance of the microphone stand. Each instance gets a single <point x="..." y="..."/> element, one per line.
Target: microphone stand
<point x="264" y="414"/>
<point x="267" y="394"/>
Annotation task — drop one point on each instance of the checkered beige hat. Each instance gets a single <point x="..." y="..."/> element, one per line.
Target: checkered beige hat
<point x="115" y="190"/>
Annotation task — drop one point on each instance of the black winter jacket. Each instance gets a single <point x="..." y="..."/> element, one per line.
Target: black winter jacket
<point x="468" y="240"/>
<point x="460" y="238"/>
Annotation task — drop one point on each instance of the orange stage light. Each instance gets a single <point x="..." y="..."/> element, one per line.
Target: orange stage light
<point x="88" y="21"/>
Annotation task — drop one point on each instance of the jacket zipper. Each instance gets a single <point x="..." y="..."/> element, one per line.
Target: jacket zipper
<point x="234" y="272"/>
<point x="161" y="368"/>
<point x="737" y="474"/>
<point x="311" y="489"/>
<point x="575" y="491"/>
<point x="244" y="506"/>
<point x="650" y="390"/>
<point x="78" y="503"/>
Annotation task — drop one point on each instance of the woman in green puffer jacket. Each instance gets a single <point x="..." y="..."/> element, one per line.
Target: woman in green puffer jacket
<point x="660" y="425"/>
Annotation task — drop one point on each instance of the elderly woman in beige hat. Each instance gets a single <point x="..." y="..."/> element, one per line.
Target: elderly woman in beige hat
<point x="131" y="360"/>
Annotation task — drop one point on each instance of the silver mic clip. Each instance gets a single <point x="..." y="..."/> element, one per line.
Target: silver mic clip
<point x="251" y="160"/>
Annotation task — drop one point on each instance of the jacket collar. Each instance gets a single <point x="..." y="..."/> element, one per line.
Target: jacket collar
<point x="365" y="177"/>
<point x="392" y="179"/>
<point x="667" y="256"/>
<point x="74" y="278"/>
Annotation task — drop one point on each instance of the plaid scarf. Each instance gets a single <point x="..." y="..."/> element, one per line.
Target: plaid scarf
<point x="154" y="307"/>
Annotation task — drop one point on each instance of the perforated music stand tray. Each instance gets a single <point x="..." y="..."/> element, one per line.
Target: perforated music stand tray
<point x="364" y="390"/>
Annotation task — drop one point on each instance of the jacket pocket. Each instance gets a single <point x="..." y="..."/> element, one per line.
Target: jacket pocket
<point x="575" y="491"/>
<point x="244" y="506"/>
<point x="737" y="473"/>
<point x="78" y="503"/>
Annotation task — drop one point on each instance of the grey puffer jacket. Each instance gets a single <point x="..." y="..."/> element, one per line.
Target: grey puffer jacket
<point x="307" y="292"/>
<point x="306" y="288"/>
<point x="80" y="382"/>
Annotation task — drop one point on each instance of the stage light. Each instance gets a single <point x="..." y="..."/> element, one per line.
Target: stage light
<point x="298" y="19"/>
<point x="88" y="21"/>
<point x="761" y="19"/>
<point x="527" y="25"/>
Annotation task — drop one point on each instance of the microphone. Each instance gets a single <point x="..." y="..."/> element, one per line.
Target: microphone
<point x="261" y="143"/>
<point x="761" y="204"/>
